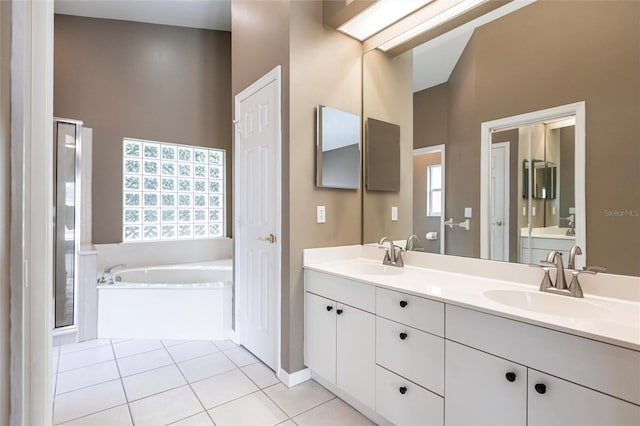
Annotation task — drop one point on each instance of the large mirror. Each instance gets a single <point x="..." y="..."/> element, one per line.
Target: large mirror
<point x="540" y="57"/>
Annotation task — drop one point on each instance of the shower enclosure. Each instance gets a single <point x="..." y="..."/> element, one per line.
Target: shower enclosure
<point x="66" y="155"/>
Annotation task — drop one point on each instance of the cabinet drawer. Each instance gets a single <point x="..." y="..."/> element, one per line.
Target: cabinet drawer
<point x="353" y="293"/>
<point x="414" y="311"/>
<point x="419" y="356"/>
<point x="416" y="406"/>
<point x="600" y="366"/>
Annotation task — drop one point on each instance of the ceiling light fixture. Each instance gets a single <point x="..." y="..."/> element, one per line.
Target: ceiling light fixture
<point x="379" y="16"/>
<point x="456" y="8"/>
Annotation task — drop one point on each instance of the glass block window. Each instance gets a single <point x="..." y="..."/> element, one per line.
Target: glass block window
<point x="172" y="191"/>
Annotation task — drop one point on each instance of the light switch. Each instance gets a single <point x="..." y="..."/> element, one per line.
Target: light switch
<point x="320" y="214"/>
<point x="572" y="210"/>
<point x="533" y="211"/>
<point x="524" y="211"/>
<point x="553" y="210"/>
<point x="394" y="214"/>
<point x="467" y="212"/>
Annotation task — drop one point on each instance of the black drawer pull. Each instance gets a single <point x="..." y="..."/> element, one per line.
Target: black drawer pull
<point x="329" y="308"/>
<point x="339" y="311"/>
<point x="403" y="303"/>
<point x="403" y="389"/>
<point x="511" y="376"/>
<point x="541" y="388"/>
<point x="403" y="336"/>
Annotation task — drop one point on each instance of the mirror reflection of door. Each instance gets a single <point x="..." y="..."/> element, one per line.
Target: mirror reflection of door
<point x="428" y="198"/>
<point x="500" y="201"/>
<point x="532" y="182"/>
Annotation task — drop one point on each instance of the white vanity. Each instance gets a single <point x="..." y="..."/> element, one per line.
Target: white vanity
<point x="426" y="346"/>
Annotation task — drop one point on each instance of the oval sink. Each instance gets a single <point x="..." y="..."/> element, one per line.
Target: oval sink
<point x="545" y="303"/>
<point x="372" y="269"/>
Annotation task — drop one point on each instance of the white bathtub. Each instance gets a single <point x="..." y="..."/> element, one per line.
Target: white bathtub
<point x="186" y="301"/>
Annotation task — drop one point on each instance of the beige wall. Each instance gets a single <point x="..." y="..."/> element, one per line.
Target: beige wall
<point x="259" y="43"/>
<point x="430" y="113"/>
<point x="5" y="200"/>
<point x="145" y="81"/>
<point x="319" y="66"/>
<point x="586" y="51"/>
<point x="388" y="96"/>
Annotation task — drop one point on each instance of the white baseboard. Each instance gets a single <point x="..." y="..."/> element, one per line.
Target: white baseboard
<point x="65" y="335"/>
<point x="292" y="379"/>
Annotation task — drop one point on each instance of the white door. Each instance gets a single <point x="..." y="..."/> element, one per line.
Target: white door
<point x="500" y="201"/>
<point x="482" y="389"/>
<point x="257" y="222"/>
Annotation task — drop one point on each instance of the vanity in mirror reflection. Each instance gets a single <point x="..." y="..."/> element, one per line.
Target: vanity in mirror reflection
<point x="537" y="193"/>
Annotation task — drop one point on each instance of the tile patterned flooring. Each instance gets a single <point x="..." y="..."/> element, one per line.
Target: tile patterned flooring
<point x="112" y="382"/>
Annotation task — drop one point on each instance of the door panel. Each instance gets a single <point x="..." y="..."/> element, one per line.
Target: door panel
<point x="320" y="336"/>
<point x="257" y="249"/>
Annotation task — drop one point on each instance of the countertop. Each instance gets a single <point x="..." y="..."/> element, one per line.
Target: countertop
<point x="615" y="322"/>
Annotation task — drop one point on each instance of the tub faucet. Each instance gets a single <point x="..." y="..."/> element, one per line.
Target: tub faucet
<point x="391" y="257"/>
<point x="110" y="269"/>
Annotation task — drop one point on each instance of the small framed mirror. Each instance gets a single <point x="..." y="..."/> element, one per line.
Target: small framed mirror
<point x="338" y="149"/>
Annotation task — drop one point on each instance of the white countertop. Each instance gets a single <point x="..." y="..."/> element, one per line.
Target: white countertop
<point x="617" y="321"/>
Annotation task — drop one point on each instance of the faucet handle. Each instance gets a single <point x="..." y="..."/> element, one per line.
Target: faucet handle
<point x="594" y="269"/>
<point x="546" y="280"/>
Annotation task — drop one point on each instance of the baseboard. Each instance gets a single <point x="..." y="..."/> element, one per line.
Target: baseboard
<point x="65" y="335"/>
<point x="292" y="379"/>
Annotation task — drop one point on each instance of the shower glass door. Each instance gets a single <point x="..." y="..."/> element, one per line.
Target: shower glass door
<point x="66" y="224"/>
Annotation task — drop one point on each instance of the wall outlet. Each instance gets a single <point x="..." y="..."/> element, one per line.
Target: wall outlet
<point x="572" y="210"/>
<point x="467" y="212"/>
<point x="320" y="214"/>
<point x="394" y="214"/>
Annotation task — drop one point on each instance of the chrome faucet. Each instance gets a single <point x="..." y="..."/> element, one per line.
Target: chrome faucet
<point x="110" y="269"/>
<point x="411" y="243"/>
<point x="560" y="286"/>
<point x="575" y="250"/>
<point x="555" y="258"/>
<point x="391" y="257"/>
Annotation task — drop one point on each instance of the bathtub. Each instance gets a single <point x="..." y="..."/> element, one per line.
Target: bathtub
<point x="186" y="301"/>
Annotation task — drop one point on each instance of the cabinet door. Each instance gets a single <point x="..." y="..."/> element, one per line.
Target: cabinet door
<point x="356" y="362"/>
<point x="554" y="401"/>
<point x="320" y="336"/>
<point x="481" y="389"/>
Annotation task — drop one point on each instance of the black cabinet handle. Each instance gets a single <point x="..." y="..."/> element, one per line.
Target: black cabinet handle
<point x="541" y="388"/>
<point x="403" y="389"/>
<point x="329" y="308"/>
<point x="403" y="336"/>
<point x="403" y="303"/>
<point x="511" y="376"/>
<point x="339" y="311"/>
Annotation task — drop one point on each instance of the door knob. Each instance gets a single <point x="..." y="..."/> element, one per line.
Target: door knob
<point x="270" y="238"/>
<point x="498" y="223"/>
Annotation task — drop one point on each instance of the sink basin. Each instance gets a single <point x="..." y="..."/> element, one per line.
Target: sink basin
<point x="372" y="269"/>
<point x="545" y="303"/>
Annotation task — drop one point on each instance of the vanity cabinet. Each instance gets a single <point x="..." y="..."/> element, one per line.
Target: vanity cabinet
<point x="340" y="338"/>
<point x="483" y="389"/>
<point x="396" y="354"/>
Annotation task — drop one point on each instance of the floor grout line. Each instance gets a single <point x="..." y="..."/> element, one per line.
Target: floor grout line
<point x="189" y="384"/>
<point x="126" y="398"/>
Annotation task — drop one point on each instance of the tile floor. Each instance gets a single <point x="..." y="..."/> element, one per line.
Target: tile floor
<point x="111" y="382"/>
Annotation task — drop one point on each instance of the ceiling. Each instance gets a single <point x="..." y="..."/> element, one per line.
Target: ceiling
<point x="205" y="14"/>
<point x="434" y="61"/>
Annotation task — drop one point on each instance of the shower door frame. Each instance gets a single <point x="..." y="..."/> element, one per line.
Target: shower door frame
<point x="77" y="229"/>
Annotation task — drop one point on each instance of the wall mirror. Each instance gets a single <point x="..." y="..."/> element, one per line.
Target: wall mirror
<point x="337" y="149"/>
<point x="444" y="90"/>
